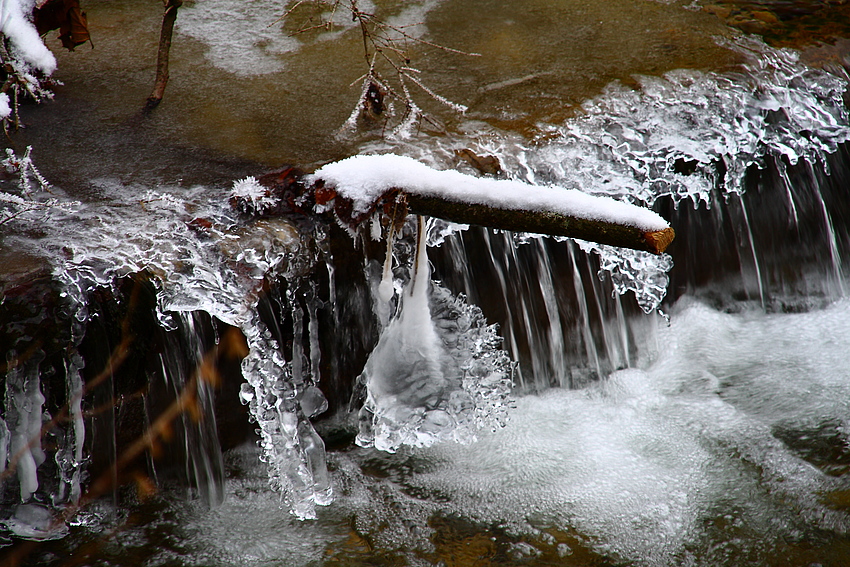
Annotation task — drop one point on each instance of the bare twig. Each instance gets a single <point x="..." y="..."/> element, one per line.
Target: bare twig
<point x="166" y="32"/>
<point x="388" y="44"/>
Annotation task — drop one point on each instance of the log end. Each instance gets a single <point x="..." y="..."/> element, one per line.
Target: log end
<point x="659" y="240"/>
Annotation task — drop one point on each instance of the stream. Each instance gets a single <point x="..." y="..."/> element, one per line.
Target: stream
<point x="191" y="380"/>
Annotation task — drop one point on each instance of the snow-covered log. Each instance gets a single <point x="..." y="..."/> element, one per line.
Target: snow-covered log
<point x="358" y="185"/>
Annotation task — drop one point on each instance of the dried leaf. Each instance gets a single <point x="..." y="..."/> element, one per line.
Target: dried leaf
<point x="67" y="17"/>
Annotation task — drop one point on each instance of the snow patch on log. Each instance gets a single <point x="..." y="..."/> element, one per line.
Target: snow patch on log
<point x="24" y="42"/>
<point x="363" y="179"/>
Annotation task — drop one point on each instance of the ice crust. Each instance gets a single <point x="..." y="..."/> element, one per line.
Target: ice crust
<point x="365" y="178"/>
<point x="632" y="143"/>
<point x="241" y="37"/>
<point x="688" y="136"/>
<point x="248" y="39"/>
<point x="220" y="271"/>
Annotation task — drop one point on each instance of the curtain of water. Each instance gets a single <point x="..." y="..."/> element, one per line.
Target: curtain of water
<point x="185" y="372"/>
<point x="558" y="317"/>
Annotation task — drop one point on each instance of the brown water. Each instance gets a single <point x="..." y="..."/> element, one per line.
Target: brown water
<point x="536" y="64"/>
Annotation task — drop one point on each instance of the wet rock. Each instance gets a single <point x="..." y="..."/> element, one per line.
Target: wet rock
<point x="787" y="24"/>
<point x="488" y="165"/>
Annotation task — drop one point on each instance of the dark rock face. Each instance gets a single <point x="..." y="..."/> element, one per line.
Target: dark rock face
<point x="123" y="357"/>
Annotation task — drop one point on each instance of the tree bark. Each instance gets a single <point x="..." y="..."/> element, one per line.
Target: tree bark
<point x="291" y="194"/>
<point x="166" y="32"/>
<point x="542" y="222"/>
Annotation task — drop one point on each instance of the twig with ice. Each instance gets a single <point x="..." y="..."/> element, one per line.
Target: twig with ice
<point x="361" y="184"/>
<point x="25" y="59"/>
<point x="25" y="169"/>
<point x="14" y="206"/>
<point x="386" y="43"/>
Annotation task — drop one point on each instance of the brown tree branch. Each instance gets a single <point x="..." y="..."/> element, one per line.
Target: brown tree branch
<point x="294" y="196"/>
<point x="542" y="222"/>
<point x="166" y="32"/>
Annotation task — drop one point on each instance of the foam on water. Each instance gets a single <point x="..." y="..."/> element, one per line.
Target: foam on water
<point x="644" y="463"/>
<point x="682" y="461"/>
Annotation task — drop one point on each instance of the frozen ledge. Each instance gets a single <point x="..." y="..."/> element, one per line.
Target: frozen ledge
<point x="365" y="181"/>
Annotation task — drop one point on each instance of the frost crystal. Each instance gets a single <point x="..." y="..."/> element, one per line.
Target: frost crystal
<point x="250" y="192"/>
<point x="642" y="273"/>
<point x="633" y="144"/>
<point x="24" y="56"/>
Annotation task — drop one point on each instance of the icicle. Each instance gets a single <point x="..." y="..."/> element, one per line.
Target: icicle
<point x="4" y="448"/>
<point x="386" y="289"/>
<point x="436" y="372"/>
<point x="793" y="219"/>
<point x="70" y="458"/>
<point x="24" y="417"/>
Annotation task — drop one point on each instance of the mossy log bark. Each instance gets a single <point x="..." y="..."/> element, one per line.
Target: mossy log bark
<point x="542" y="222"/>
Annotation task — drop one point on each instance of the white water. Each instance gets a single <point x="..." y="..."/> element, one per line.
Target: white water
<point x="675" y="462"/>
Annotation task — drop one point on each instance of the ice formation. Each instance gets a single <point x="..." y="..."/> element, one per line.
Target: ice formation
<point x="669" y="138"/>
<point x="23" y="417"/>
<point x="436" y="372"/>
<point x="245" y="40"/>
<point x="219" y="271"/>
<point x="637" y="144"/>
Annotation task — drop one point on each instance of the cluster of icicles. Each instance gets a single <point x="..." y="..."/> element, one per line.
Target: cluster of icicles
<point x="220" y="269"/>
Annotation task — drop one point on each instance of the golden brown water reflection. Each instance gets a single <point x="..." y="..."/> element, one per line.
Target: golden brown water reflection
<point x="537" y="62"/>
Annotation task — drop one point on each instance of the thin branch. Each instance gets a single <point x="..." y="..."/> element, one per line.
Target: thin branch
<point x="166" y="32"/>
<point x="390" y="44"/>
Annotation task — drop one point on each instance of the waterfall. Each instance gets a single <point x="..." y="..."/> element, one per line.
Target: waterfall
<point x="751" y="169"/>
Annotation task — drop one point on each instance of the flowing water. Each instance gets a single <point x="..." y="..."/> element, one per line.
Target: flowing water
<point x="193" y="383"/>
